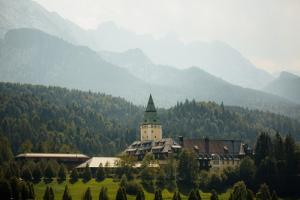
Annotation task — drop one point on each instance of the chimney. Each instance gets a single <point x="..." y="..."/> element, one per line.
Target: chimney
<point x="206" y="145"/>
<point x="180" y="139"/>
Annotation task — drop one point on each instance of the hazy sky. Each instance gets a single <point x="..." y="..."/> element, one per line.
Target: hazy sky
<point x="265" y="31"/>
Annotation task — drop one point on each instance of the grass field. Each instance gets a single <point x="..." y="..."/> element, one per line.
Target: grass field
<point x="77" y="189"/>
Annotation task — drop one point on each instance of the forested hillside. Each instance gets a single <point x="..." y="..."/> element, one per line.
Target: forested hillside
<point x="53" y="119"/>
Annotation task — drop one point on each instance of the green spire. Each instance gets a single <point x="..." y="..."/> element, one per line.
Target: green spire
<point x="150" y="116"/>
<point x="150" y="106"/>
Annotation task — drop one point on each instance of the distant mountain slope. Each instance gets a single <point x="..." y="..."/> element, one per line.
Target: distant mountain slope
<point x="286" y="85"/>
<point x="216" y="57"/>
<point x="31" y="56"/>
<point x="194" y="83"/>
<point x="29" y="14"/>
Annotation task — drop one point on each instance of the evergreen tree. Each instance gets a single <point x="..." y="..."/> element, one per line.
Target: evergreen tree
<point x="187" y="168"/>
<point x="176" y="196"/>
<point x="278" y="147"/>
<point x="197" y="193"/>
<point x="87" y="174"/>
<point x="25" y="191"/>
<point x="66" y="195"/>
<point x="247" y="171"/>
<point x="263" y="193"/>
<point x="263" y="147"/>
<point x="100" y="174"/>
<point x="140" y="195"/>
<point x="274" y="195"/>
<point x="49" y="172"/>
<point x="170" y="170"/>
<point x="121" y="194"/>
<point x="147" y="177"/>
<point x="37" y="173"/>
<point x="192" y="195"/>
<point x="250" y="195"/>
<point x="158" y="195"/>
<point x="31" y="191"/>
<point x="267" y="171"/>
<point x="5" y="189"/>
<point x="161" y="179"/>
<point x="290" y="157"/>
<point x="26" y="174"/>
<point x="214" y="195"/>
<point x="87" y="195"/>
<point x="15" y="184"/>
<point x="103" y="194"/>
<point x="123" y="181"/>
<point x="74" y="175"/>
<point x="49" y="194"/>
<point x="62" y="173"/>
<point x="239" y="192"/>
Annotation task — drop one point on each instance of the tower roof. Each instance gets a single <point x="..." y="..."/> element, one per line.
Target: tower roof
<point x="150" y="116"/>
<point x="150" y="106"/>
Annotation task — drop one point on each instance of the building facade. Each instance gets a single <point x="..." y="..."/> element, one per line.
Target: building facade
<point x="215" y="153"/>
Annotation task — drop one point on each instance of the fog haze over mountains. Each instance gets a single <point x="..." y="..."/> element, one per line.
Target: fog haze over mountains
<point x="116" y="61"/>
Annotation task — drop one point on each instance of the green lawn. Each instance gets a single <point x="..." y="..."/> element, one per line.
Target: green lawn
<point x="77" y="189"/>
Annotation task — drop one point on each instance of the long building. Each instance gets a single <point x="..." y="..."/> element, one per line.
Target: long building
<point x="68" y="159"/>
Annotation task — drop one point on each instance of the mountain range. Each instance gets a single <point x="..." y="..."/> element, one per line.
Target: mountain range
<point x="214" y="57"/>
<point x="115" y="61"/>
<point x="32" y="56"/>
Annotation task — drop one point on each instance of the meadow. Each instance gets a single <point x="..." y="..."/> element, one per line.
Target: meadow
<point x="77" y="189"/>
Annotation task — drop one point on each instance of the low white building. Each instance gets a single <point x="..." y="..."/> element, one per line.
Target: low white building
<point x="106" y="162"/>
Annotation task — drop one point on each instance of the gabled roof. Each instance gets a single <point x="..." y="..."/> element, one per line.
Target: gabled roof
<point x="220" y="147"/>
<point x="164" y="145"/>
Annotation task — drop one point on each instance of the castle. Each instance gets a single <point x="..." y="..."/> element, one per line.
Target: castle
<point x="211" y="153"/>
<point x="151" y="139"/>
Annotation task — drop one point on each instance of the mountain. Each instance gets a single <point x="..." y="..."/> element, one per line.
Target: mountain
<point x="29" y="14"/>
<point x="53" y="119"/>
<point x="215" y="57"/>
<point x="286" y="85"/>
<point x="194" y="83"/>
<point x="31" y="56"/>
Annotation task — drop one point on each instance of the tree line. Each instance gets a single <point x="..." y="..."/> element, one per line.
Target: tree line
<point x="273" y="167"/>
<point x="53" y="119"/>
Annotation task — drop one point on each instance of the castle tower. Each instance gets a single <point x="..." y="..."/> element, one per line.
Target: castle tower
<point x="150" y="127"/>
